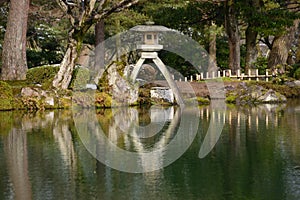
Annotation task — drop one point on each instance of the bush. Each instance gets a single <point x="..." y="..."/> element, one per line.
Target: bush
<point x="42" y="75"/>
<point x="231" y="99"/>
<point x="297" y="74"/>
<point x="261" y="64"/>
<point x="6" y="96"/>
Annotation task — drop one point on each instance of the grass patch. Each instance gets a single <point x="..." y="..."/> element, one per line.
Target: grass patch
<point x="6" y="96"/>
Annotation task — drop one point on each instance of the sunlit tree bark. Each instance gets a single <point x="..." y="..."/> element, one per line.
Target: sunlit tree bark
<point x="280" y="48"/>
<point x="212" y="46"/>
<point x="14" y="64"/>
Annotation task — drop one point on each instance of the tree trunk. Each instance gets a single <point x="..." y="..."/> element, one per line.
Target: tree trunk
<point x="280" y="49"/>
<point x="298" y="50"/>
<point x="212" y="47"/>
<point x="14" y="64"/>
<point x="231" y="26"/>
<point x="99" y="49"/>
<point x="251" y="48"/>
<point x="64" y="75"/>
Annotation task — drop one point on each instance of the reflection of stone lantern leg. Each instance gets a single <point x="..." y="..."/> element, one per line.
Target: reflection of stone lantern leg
<point x="149" y="51"/>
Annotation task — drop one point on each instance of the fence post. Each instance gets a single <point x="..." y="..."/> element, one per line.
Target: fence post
<point x="267" y="75"/>
<point x="256" y="74"/>
<point x="185" y="79"/>
<point x="238" y="73"/>
<point x="219" y="74"/>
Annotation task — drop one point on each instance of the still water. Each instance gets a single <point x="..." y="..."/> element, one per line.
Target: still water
<point x="255" y="155"/>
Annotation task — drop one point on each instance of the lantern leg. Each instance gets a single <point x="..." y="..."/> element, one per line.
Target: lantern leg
<point x="161" y="66"/>
<point x="137" y="69"/>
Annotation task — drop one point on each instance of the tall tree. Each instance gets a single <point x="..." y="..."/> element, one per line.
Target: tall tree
<point x="252" y="11"/>
<point x="283" y="40"/>
<point x="232" y="30"/>
<point x="82" y="15"/>
<point x="280" y="48"/>
<point x="14" y="64"/>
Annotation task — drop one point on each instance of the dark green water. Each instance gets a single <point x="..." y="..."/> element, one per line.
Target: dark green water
<point x="257" y="156"/>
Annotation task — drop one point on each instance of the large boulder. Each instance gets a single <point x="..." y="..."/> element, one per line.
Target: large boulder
<point x="271" y="97"/>
<point x="253" y="94"/>
<point x="122" y="91"/>
<point x="35" y="98"/>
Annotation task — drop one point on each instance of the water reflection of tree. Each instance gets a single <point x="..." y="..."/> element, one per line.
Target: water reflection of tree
<point x="247" y="160"/>
<point x="17" y="158"/>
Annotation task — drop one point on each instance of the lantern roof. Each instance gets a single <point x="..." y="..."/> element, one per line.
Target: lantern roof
<point x="150" y="28"/>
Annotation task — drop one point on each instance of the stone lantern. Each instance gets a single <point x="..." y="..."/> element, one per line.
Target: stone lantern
<point x="149" y="50"/>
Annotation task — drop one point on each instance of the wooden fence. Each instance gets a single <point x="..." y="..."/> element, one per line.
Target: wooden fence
<point x="251" y="75"/>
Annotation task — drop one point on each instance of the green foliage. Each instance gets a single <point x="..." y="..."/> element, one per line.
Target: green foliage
<point x="45" y="46"/>
<point x="42" y="75"/>
<point x="297" y="74"/>
<point x="6" y="96"/>
<point x="231" y="99"/>
<point x="261" y="64"/>
<point x="267" y="17"/>
<point x="222" y="53"/>
<point x="80" y="78"/>
<point x="177" y="62"/>
<point x="203" y="101"/>
<point x="122" y="21"/>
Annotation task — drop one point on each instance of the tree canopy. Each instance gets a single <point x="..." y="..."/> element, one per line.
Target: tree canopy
<point x="237" y="29"/>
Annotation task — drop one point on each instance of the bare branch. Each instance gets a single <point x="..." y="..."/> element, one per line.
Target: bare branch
<point x="115" y="8"/>
<point x="66" y="9"/>
<point x="62" y="5"/>
<point x="3" y="1"/>
<point x="100" y="5"/>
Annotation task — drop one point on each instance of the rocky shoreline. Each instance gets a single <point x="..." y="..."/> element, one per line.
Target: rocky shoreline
<point x="34" y="97"/>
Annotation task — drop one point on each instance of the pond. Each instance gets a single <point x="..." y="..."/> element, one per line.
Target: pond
<point x="223" y="153"/>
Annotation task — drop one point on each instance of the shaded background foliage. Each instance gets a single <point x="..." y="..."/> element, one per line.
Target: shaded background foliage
<point x="47" y="28"/>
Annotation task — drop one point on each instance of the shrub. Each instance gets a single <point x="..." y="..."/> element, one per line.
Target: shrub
<point x="261" y="64"/>
<point x="42" y="75"/>
<point x="231" y="98"/>
<point x="297" y="74"/>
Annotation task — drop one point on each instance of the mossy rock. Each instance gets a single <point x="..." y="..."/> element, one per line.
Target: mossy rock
<point x="289" y="92"/>
<point x="103" y="100"/>
<point x="80" y="78"/>
<point x="43" y="75"/>
<point x="6" y="96"/>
